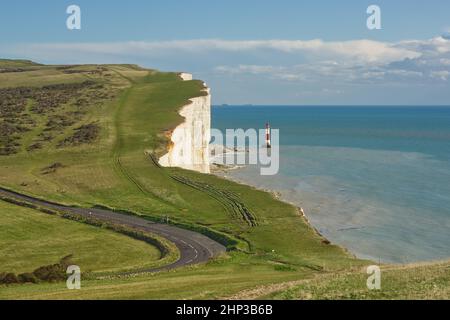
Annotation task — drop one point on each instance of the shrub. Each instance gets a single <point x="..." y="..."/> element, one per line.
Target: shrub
<point x="54" y="272"/>
<point x="85" y="134"/>
<point x="49" y="273"/>
<point x="9" y="278"/>
<point x="66" y="262"/>
<point x="27" y="278"/>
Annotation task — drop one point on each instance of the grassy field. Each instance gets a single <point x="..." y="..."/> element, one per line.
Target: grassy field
<point x="426" y="281"/>
<point x="31" y="239"/>
<point x="125" y="113"/>
<point x="241" y="277"/>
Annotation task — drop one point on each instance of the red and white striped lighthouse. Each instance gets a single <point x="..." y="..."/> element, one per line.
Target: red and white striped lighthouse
<point x="268" y="136"/>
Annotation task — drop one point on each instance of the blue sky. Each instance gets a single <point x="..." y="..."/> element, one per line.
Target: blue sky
<point x="261" y="52"/>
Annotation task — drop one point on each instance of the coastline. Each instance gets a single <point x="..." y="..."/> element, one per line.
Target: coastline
<point x="216" y="168"/>
<point x="351" y="246"/>
<point x="226" y="172"/>
<point x="220" y="169"/>
<point x="221" y="173"/>
<point x="276" y="194"/>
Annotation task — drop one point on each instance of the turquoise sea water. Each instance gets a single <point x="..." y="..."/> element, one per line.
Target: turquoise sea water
<point x="373" y="179"/>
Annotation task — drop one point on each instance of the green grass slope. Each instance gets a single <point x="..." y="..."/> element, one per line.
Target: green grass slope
<point x="31" y="239"/>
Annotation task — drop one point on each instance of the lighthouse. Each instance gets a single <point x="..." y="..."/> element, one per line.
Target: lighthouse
<point x="268" y="136"/>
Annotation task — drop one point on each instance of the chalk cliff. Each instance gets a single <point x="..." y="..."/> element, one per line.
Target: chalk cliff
<point x="190" y="140"/>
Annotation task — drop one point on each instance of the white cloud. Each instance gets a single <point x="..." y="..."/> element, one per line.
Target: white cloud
<point x="248" y="69"/>
<point x="367" y="51"/>
<point x="414" y="61"/>
<point x="374" y="75"/>
<point x="436" y="45"/>
<point x="316" y="62"/>
<point x="445" y="61"/>
<point x="405" y="73"/>
<point x="442" y="75"/>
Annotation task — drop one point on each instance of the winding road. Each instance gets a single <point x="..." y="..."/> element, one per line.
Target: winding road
<point x="194" y="247"/>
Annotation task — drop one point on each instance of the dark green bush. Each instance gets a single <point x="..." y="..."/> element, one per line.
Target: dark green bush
<point x="54" y="272"/>
<point x="27" y="278"/>
<point x="9" y="278"/>
<point x="50" y="273"/>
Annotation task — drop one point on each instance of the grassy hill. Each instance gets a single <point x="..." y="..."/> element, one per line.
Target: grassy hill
<point x="31" y="239"/>
<point x="8" y="64"/>
<point x="83" y="135"/>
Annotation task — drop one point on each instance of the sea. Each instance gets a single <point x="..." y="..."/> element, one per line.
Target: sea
<point x="375" y="180"/>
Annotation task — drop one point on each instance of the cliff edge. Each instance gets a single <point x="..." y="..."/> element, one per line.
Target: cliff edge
<point x="189" y="147"/>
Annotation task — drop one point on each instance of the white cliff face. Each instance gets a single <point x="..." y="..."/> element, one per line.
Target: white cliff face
<point x="186" y="76"/>
<point x="190" y="140"/>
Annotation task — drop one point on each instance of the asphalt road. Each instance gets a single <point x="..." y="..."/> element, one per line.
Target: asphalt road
<point x="194" y="247"/>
